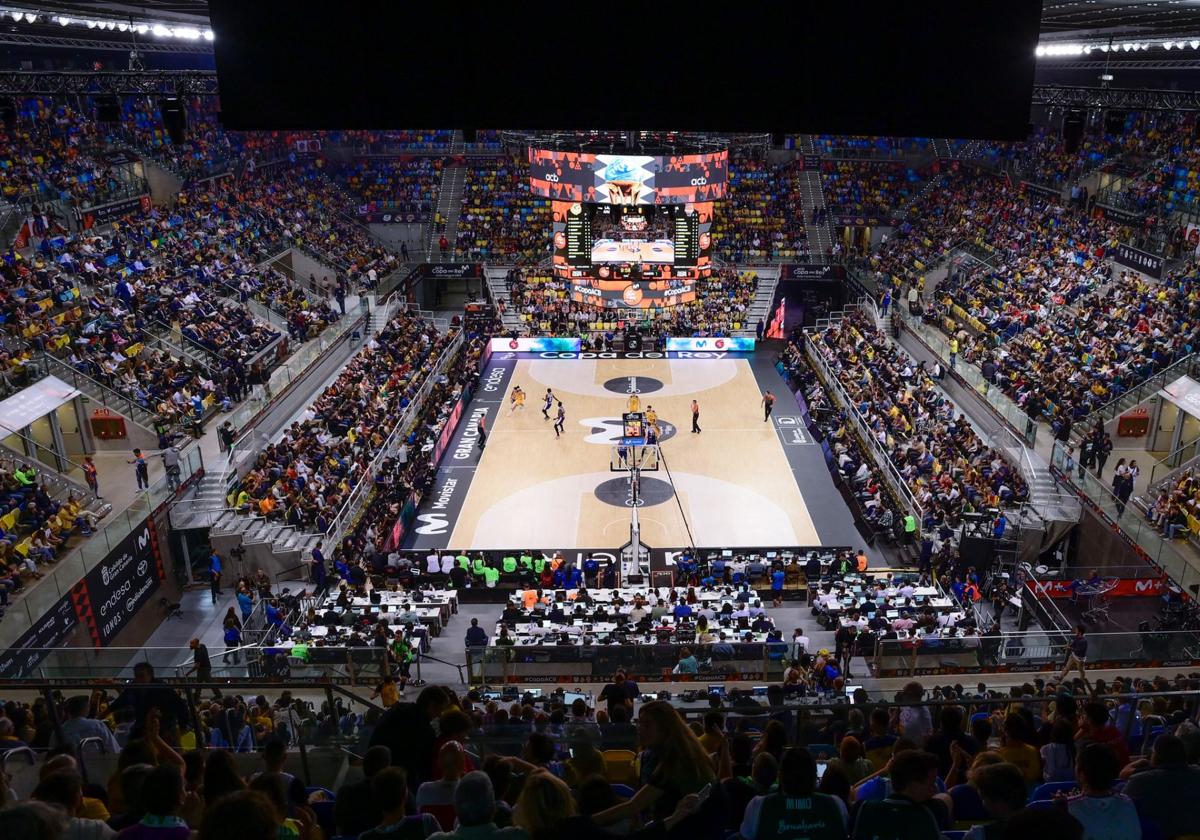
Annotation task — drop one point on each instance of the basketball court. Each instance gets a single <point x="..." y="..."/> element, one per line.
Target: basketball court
<point x="740" y="482"/>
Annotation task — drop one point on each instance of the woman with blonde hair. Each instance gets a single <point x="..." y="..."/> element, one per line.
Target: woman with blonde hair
<point x="546" y="810"/>
<point x="674" y="764"/>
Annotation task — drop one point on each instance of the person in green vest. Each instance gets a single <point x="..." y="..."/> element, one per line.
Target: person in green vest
<point x="24" y="476"/>
<point x="402" y="655"/>
<point x="463" y="561"/>
<point x="526" y="560"/>
<point x="491" y="576"/>
<point x="509" y="564"/>
<point x="300" y="651"/>
<point x="906" y="813"/>
<point x="910" y="528"/>
<point x="539" y="563"/>
<point x="478" y="565"/>
<point x="780" y="816"/>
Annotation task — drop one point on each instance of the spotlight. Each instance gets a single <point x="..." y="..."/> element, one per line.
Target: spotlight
<point x="161" y="31"/>
<point x="63" y="21"/>
<point x="208" y="34"/>
<point x="1196" y="45"/>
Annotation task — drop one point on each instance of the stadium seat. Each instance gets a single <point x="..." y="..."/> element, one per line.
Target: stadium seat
<point x="1047" y="790"/>
<point x="618" y="766"/>
<point x="623" y="791"/>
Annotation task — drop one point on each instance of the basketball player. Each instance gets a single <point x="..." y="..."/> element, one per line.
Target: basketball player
<point x="516" y="399"/>
<point x="634" y="403"/>
<point x="623" y="455"/>
<point x="768" y="403"/>
<point x="695" y="417"/>
<point x="651" y="435"/>
<point x="559" y="420"/>
<point x="547" y="402"/>
<point x="651" y="416"/>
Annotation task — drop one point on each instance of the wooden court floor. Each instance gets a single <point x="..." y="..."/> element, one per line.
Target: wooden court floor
<point x="732" y="480"/>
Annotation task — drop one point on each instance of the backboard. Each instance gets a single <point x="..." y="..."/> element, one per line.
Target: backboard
<point x="625" y="458"/>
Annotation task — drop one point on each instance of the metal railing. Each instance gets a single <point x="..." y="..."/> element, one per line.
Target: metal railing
<point x="64" y="477"/>
<point x="1168" y="470"/>
<point x="253" y="441"/>
<point x="883" y="458"/>
<point x="69" y="569"/>
<point x="1144" y="390"/>
<point x="1180" y="562"/>
<point x="1012" y="414"/>
<point x="97" y="391"/>
<point x="355" y="498"/>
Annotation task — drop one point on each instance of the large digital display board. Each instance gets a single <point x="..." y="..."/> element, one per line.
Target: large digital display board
<point x="632" y="256"/>
<point x="627" y="178"/>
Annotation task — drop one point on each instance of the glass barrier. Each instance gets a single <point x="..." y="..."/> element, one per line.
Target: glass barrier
<point x="556" y="661"/>
<point x="72" y="567"/>
<point x="299" y="362"/>
<point x="1032" y="650"/>
<point x="1180" y="563"/>
<point x="1012" y="414"/>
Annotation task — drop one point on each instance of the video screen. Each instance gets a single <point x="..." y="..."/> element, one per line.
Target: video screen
<point x="632" y="256"/>
<point x="625" y="179"/>
<point x="632" y="234"/>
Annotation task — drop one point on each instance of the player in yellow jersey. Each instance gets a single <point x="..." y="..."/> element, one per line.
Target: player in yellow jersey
<point x="635" y="403"/>
<point x="516" y="399"/>
<point x="651" y="416"/>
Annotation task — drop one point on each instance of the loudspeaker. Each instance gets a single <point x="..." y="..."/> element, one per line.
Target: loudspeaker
<point x="8" y="112"/>
<point x="1072" y="130"/>
<point x="777" y="139"/>
<point x="633" y="342"/>
<point x="469" y="135"/>
<point x="1114" y="122"/>
<point x="108" y="109"/>
<point x="174" y="117"/>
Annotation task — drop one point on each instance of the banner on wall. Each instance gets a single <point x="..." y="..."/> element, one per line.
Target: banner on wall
<point x="106" y="213"/>
<point x="811" y="271"/>
<point x="733" y="344"/>
<point x="1138" y="260"/>
<point x="536" y="345"/>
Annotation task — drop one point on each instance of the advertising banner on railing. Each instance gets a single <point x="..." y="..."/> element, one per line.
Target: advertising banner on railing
<point x="1125" y="588"/>
<point x="120" y="585"/>
<point x="31" y="647"/>
<point x="536" y="345"/>
<point x="732" y="344"/>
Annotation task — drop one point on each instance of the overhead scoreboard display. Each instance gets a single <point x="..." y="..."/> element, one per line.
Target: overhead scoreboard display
<point x="630" y="231"/>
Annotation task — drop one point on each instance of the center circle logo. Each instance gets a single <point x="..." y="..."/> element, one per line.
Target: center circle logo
<point x="624" y="385"/>
<point x="615" y="492"/>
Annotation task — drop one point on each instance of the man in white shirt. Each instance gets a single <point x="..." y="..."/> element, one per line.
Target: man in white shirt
<point x="433" y="563"/>
<point x="78" y="726"/>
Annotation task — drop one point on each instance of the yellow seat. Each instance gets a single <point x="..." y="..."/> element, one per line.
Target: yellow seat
<point x="618" y="767"/>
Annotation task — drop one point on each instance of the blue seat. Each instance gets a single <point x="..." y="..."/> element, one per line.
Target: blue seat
<point x="623" y="791"/>
<point x="1047" y="790"/>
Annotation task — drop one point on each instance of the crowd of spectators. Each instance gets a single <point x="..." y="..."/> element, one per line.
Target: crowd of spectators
<point x="863" y="188"/>
<point x="753" y="223"/>
<point x="402" y="479"/>
<point x="52" y="152"/>
<point x="501" y="219"/>
<point x="402" y="185"/>
<point x="303" y="478"/>
<point x="1042" y="759"/>
<point x="935" y="451"/>
<point x="545" y="307"/>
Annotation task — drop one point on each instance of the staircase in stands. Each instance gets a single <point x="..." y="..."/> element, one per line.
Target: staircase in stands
<point x="449" y="208"/>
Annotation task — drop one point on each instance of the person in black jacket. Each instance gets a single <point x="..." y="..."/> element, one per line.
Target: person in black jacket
<point x="405" y="729"/>
<point x="355" y="809"/>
